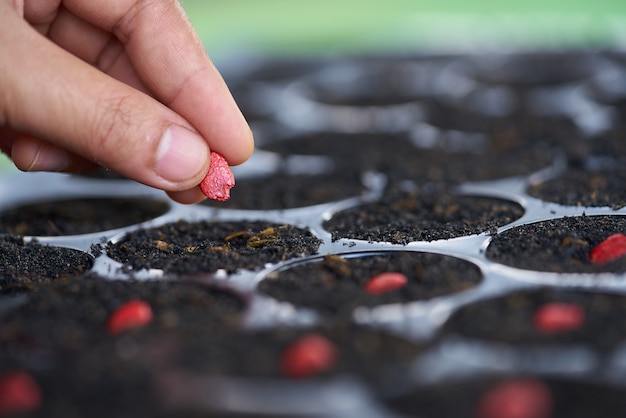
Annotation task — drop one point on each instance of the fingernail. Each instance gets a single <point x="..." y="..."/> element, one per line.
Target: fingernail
<point x="49" y="158"/>
<point x="182" y="154"/>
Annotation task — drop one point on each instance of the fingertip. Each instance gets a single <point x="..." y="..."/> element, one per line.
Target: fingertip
<point x="187" y="197"/>
<point x="244" y="149"/>
<point x="182" y="156"/>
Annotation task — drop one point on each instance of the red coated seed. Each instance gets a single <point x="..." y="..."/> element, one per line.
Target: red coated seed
<point x="308" y="356"/>
<point x="385" y="282"/>
<point x="516" y="398"/>
<point x="558" y="317"/>
<point x="609" y="250"/>
<point x="132" y="314"/>
<point x="219" y="180"/>
<point x="19" y="393"/>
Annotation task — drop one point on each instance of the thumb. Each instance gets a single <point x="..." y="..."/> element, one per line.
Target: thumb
<point x="50" y="94"/>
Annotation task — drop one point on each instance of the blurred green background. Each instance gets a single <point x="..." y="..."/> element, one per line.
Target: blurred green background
<point x="311" y="27"/>
<point x="297" y="27"/>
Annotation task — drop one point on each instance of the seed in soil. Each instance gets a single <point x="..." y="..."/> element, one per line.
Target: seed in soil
<point x="132" y="314"/>
<point x="19" y="393"/>
<point x="385" y="282"/>
<point x="516" y="398"/>
<point x="219" y="180"/>
<point x="556" y="317"/>
<point x="610" y="249"/>
<point x="308" y="356"/>
<point x="561" y="245"/>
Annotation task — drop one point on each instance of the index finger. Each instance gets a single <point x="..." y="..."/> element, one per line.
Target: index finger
<point x="172" y="62"/>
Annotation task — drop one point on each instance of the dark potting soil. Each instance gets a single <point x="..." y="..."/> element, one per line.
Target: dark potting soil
<point x="94" y="382"/>
<point x="278" y="70"/>
<point x="374" y="83"/>
<point x="559" y="245"/>
<point x="533" y="69"/>
<point x="509" y="319"/>
<point x="611" y="145"/>
<point x="288" y="191"/>
<point x="334" y="285"/>
<point x="25" y="266"/>
<point x="520" y="134"/>
<point x="59" y="336"/>
<point x="372" y="98"/>
<point x="112" y="379"/>
<point x="595" y="180"/>
<point x="454" y="159"/>
<point x="570" y="398"/>
<point x="79" y="216"/>
<point x="385" y="93"/>
<point x="580" y="187"/>
<point x="401" y="217"/>
<point x="72" y="315"/>
<point x="360" y="351"/>
<point x="193" y="247"/>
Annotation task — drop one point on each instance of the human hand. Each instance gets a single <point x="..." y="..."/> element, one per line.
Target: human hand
<point x="125" y="84"/>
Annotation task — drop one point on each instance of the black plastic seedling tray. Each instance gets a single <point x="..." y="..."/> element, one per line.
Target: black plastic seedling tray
<point x="486" y="179"/>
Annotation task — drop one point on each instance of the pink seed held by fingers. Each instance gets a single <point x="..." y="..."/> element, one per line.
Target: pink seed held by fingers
<point x="556" y="317"/>
<point x="517" y="398"/>
<point x="308" y="356"/>
<point x="132" y="314"/>
<point x="385" y="282"/>
<point x="609" y="250"/>
<point x="19" y="393"/>
<point x="219" y="180"/>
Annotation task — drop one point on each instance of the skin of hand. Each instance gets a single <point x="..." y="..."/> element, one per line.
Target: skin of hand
<point x="124" y="84"/>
